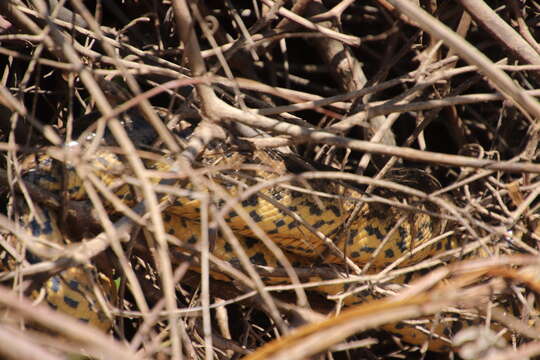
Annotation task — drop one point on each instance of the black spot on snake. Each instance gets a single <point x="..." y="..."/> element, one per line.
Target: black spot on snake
<point x="71" y="302"/>
<point x="258" y="259"/>
<point x="402" y="245"/>
<point x="353" y="233"/>
<point x="36" y="229"/>
<point x="372" y="230"/>
<point x="403" y="233"/>
<point x="314" y="209"/>
<point x="255" y="216"/>
<point x="250" y="242"/>
<point x="47" y="227"/>
<point x="318" y="224"/>
<point x="253" y="201"/>
<point x="73" y="284"/>
<point x="335" y="210"/>
<point x="368" y="249"/>
<point x="293" y="224"/>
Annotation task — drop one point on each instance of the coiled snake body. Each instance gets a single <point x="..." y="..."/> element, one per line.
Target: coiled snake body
<point x="297" y="215"/>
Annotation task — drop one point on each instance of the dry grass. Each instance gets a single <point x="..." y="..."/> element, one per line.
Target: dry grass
<point x="359" y="87"/>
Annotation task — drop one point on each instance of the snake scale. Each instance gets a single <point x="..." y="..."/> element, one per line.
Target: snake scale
<point x="295" y="213"/>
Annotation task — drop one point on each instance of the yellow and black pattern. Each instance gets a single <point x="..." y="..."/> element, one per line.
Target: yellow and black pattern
<point x="402" y="231"/>
<point x="73" y="290"/>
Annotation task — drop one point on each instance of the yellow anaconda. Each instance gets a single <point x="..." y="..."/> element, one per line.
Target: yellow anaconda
<point x="312" y="218"/>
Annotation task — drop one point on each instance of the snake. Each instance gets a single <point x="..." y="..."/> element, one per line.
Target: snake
<point x="312" y="220"/>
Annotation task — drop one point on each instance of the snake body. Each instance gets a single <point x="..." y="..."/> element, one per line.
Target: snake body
<point x="294" y="215"/>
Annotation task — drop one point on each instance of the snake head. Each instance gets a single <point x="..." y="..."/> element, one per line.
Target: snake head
<point x="42" y="170"/>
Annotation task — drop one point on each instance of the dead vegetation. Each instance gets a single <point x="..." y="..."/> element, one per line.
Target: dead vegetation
<point x="353" y="86"/>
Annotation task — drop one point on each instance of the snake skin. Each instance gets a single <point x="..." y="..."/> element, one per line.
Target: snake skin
<point x="292" y="214"/>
